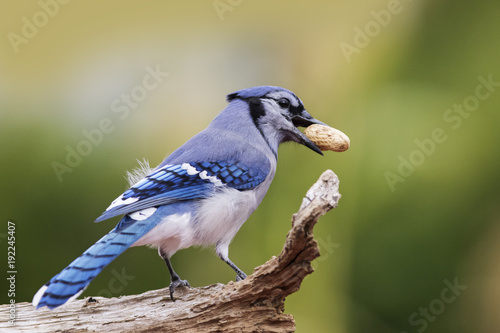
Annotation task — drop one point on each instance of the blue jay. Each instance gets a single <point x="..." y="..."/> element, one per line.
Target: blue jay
<point x="200" y="195"/>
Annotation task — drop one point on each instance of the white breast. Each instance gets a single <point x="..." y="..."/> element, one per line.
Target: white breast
<point x="220" y="217"/>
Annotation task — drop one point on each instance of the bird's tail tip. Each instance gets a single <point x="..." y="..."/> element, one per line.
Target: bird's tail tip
<point x="43" y="298"/>
<point x="38" y="296"/>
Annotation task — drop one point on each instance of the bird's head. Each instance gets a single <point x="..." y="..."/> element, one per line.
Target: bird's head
<point x="277" y="113"/>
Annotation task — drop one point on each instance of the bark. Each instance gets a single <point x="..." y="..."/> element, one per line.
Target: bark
<point x="255" y="304"/>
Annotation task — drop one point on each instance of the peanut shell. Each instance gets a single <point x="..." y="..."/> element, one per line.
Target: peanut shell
<point x="327" y="138"/>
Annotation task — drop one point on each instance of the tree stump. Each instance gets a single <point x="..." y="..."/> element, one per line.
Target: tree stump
<point x="255" y="304"/>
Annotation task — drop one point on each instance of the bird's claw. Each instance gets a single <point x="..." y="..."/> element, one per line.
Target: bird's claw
<point x="177" y="283"/>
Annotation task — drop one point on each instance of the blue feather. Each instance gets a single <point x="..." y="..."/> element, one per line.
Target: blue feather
<point x="259" y="91"/>
<point x="173" y="183"/>
<point x="74" y="278"/>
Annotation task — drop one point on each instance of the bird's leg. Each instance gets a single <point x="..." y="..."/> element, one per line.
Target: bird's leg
<point x="175" y="280"/>
<point x="222" y="252"/>
<point x="240" y="275"/>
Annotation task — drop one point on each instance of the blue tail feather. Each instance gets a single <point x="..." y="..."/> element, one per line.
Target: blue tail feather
<point x="72" y="280"/>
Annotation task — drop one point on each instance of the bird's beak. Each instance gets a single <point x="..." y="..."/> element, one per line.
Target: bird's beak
<point x="304" y="120"/>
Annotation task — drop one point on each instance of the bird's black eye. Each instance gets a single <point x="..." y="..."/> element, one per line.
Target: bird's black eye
<point x="283" y="102"/>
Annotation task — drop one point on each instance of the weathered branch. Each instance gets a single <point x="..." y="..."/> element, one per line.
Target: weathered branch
<point x="253" y="305"/>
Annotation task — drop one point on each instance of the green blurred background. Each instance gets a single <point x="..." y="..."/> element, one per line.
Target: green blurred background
<point x="390" y="251"/>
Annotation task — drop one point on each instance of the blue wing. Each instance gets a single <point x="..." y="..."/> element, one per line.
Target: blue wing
<point x="180" y="182"/>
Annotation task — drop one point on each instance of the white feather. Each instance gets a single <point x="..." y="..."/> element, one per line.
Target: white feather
<point x="120" y="201"/>
<point x="38" y="295"/>
<point x="143" y="214"/>
<point x="191" y="170"/>
<point x="75" y="296"/>
<point x="220" y="217"/>
<point x="171" y="234"/>
<point x="216" y="181"/>
<point x="136" y="175"/>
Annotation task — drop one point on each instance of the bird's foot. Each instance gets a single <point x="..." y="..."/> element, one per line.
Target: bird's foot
<point x="176" y="283"/>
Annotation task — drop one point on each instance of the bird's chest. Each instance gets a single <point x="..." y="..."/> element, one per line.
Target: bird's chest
<point x="220" y="217"/>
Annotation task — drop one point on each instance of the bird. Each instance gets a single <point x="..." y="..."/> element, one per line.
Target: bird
<point x="200" y="195"/>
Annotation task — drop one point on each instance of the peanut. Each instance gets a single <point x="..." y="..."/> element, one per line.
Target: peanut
<point x="327" y="138"/>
